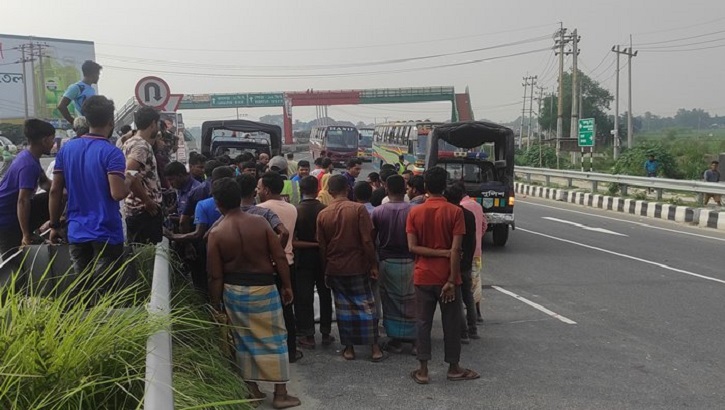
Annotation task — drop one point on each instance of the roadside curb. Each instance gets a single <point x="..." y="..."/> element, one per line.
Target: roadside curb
<point x="703" y="217"/>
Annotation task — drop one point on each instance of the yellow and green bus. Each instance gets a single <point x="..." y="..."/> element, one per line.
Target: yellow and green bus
<point x="408" y="140"/>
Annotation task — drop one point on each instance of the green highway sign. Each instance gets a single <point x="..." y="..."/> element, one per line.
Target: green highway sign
<point x="586" y="132"/>
<point x="228" y="100"/>
<point x="265" y="100"/>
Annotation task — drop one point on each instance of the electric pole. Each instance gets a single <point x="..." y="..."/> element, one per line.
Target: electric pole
<point x="531" y="109"/>
<point x="25" y="79"/>
<point x="561" y="41"/>
<point x="523" y="112"/>
<point x="630" y="127"/>
<point x="615" y="132"/>
<point x="538" y="120"/>
<point x="574" y="130"/>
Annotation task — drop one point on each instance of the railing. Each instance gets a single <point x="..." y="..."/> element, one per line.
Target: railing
<point x="625" y="181"/>
<point x="159" y="394"/>
<point x="128" y="107"/>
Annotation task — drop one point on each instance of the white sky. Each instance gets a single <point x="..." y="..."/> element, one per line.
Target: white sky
<point x="234" y="38"/>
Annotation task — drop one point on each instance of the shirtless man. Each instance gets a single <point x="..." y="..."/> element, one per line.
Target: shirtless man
<point x="241" y="250"/>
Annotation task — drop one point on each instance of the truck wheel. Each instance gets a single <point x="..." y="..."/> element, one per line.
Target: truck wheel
<point x="500" y="235"/>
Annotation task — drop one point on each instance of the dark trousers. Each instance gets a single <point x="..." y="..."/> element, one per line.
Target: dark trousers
<point x="144" y="228"/>
<point x="306" y="281"/>
<point x="98" y="261"/>
<point x="426" y="299"/>
<point x="289" y="316"/>
<point x="11" y="238"/>
<point x="467" y="302"/>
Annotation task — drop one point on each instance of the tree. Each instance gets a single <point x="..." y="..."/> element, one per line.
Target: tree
<point x="595" y="102"/>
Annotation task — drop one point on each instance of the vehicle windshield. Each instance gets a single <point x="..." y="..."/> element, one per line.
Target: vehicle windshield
<point x="443" y="146"/>
<point x="342" y="138"/>
<point x="366" y="138"/>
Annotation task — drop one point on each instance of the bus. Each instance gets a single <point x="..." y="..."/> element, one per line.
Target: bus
<point x="406" y="139"/>
<point x="339" y="143"/>
<point x="365" y="147"/>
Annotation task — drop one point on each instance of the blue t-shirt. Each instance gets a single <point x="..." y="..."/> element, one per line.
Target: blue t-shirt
<point x="23" y="173"/>
<point x="79" y="93"/>
<point x="93" y="215"/>
<point x="651" y="166"/>
<point x="206" y="213"/>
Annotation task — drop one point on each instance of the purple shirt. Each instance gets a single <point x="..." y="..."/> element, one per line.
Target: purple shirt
<point x="389" y="222"/>
<point x="182" y="195"/>
<point x="351" y="184"/>
<point x="23" y="173"/>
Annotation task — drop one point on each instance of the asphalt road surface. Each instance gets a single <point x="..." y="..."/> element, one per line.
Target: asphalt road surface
<point x="584" y="309"/>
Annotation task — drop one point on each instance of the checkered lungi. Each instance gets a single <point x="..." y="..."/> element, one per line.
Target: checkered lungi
<point x="354" y="309"/>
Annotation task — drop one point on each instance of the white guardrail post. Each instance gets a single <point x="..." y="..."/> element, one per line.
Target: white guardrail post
<point x="658" y="184"/>
<point x="159" y="394"/>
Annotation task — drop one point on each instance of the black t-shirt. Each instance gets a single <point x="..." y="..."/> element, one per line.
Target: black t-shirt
<point x="306" y="230"/>
<point x="378" y="195"/>
<point x="469" y="241"/>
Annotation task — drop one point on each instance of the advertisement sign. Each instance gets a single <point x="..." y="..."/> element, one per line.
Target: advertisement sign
<point x="51" y="65"/>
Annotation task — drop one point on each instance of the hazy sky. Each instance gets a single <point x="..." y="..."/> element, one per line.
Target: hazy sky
<point x="231" y="46"/>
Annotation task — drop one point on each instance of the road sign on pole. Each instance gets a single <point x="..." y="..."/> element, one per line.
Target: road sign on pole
<point x="152" y="92"/>
<point x="586" y="132"/>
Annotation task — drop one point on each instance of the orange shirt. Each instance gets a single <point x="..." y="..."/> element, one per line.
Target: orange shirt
<point x="435" y="223"/>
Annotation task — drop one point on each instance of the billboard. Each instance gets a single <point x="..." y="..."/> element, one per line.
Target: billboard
<point x="50" y="65"/>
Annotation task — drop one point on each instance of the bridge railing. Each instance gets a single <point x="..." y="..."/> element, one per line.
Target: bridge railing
<point x="659" y="185"/>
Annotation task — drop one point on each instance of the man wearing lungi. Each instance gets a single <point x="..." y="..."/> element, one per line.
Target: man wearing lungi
<point x="435" y="233"/>
<point x="240" y="252"/>
<point x="396" y="266"/>
<point x="344" y="236"/>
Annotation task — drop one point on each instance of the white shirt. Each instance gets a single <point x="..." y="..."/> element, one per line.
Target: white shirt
<point x="287" y="213"/>
<point x="405" y="198"/>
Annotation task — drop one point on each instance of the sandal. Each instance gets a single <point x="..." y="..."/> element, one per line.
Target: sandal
<point x="381" y="358"/>
<point x="414" y="376"/>
<point x="347" y="356"/>
<point x="467" y="374"/>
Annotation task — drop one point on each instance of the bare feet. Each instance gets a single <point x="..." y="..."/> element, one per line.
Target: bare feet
<point x="285" y="401"/>
<point x="378" y="354"/>
<point x="348" y="353"/>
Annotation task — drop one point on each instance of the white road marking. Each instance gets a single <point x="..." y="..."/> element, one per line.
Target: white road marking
<point x="634" y="258"/>
<point x="535" y="306"/>
<point x="586" y="228"/>
<point x="642" y="224"/>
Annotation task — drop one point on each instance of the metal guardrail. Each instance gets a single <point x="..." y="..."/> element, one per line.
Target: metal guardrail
<point x="159" y="393"/>
<point x="625" y="181"/>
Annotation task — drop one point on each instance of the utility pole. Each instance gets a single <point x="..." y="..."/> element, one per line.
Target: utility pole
<point x="538" y="121"/>
<point x="531" y="109"/>
<point x="25" y="80"/>
<point x="41" y="98"/>
<point x="32" y="71"/>
<point x="523" y="112"/>
<point x="574" y="85"/>
<point x="560" y="43"/>
<point x="630" y="127"/>
<point x="616" y="50"/>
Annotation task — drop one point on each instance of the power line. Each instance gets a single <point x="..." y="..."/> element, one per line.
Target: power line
<point x="180" y="64"/>
<point x="325" y="49"/>
<point x="684" y="45"/>
<point x="680" y="39"/>
<point x="681" y="27"/>
<point x="327" y="75"/>
<point x="683" y="50"/>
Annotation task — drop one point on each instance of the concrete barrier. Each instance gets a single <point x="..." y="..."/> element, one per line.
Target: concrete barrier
<point x="706" y="218"/>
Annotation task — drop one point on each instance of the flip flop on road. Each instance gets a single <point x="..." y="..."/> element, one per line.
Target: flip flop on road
<point x="347" y="355"/>
<point x="467" y="374"/>
<point x="414" y="376"/>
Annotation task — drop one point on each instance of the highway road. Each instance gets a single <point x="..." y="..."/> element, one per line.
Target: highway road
<point x="584" y="309"/>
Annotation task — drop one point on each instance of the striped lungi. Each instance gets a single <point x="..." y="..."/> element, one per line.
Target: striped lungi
<point x="260" y="338"/>
<point x="398" y="295"/>
<point x="476" y="282"/>
<point x="354" y="309"/>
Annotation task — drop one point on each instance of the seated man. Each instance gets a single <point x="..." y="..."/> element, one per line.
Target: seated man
<point x="241" y="250"/>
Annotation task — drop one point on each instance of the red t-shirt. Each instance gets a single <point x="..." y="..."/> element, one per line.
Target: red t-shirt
<point x="435" y="223"/>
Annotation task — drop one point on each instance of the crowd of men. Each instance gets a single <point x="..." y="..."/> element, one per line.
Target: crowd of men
<point x="260" y="235"/>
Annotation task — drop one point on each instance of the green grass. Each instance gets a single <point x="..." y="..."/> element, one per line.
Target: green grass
<point x="62" y="353"/>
